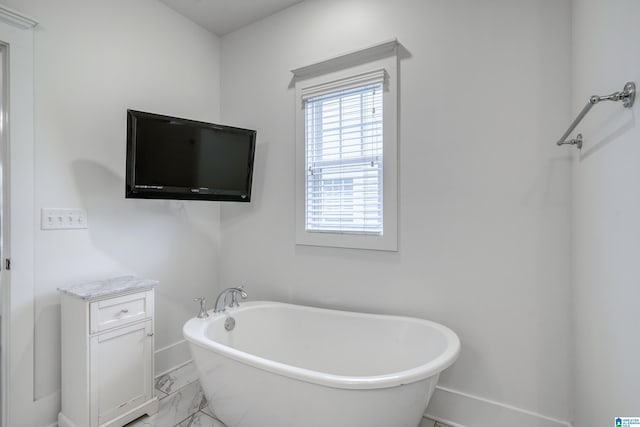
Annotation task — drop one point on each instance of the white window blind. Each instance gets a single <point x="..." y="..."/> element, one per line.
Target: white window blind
<point x="344" y="153"/>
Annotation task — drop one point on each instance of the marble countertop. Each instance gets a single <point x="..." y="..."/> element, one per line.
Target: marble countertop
<point x="102" y="288"/>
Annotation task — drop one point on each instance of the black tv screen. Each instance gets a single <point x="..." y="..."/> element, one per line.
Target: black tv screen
<point x="174" y="158"/>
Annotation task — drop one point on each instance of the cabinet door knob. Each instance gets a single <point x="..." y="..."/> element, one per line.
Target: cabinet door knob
<point x="150" y="334"/>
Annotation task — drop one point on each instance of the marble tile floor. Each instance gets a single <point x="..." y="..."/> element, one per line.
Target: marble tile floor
<point x="182" y="403"/>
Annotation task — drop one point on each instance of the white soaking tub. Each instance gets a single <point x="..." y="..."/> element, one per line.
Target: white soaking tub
<point x="290" y="365"/>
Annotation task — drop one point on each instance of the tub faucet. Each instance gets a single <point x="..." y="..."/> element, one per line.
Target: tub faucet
<point x="221" y="301"/>
<point x="203" y="308"/>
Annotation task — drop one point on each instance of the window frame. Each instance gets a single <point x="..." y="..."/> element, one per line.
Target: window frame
<point x="339" y="76"/>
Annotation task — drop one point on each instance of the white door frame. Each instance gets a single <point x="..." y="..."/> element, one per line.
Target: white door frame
<point x="18" y="222"/>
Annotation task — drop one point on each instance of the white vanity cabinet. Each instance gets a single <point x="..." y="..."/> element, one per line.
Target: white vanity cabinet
<point x="107" y="353"/>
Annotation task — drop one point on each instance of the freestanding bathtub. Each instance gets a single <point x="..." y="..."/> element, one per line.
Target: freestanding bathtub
<point x="290" y="365"/>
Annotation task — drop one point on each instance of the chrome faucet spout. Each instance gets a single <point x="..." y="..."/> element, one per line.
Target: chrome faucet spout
<point x="221" y="301"/>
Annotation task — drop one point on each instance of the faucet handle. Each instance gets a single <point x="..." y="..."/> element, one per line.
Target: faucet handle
<point x="203" y="307"/>
<point x="234" y="296"/>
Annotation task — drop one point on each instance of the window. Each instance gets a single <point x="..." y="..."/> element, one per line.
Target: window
<point x="344" y="161"/>
<point x="346" y="149"/>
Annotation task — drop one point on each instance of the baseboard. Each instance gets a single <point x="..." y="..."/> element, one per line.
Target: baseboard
<point x="171" y="357"/>
<point x="459" y="409"/>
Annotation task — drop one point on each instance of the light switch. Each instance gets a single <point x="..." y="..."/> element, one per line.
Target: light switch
<point x="63" y="219"/>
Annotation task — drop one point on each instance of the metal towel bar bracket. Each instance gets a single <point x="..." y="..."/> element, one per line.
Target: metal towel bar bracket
<point x="627" y="96"/>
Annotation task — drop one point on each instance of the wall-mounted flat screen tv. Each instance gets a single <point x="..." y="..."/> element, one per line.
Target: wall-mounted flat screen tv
<point x="174" y="158"/>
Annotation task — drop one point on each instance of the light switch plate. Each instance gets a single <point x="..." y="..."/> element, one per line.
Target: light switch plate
<point x="63" y="219"/>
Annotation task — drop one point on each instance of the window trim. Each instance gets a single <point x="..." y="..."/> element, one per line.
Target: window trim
<point x="346" y="70"/>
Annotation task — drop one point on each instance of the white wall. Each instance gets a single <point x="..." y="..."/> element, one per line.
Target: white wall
<point x="606" y="36"/>
<point x="484" y="193"/>
<point x="94" y="59"/>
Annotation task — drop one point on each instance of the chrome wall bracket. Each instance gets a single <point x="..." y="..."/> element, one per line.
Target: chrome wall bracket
<point x="577" y="141"/>
<point x="627" y="95"/>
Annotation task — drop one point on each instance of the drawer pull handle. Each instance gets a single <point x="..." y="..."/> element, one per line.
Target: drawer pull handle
<point x="150" y="334"/>
<point x="124" y="311"/>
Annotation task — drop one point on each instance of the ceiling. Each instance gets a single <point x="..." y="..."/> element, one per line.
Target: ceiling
<point x="224" y="16"/>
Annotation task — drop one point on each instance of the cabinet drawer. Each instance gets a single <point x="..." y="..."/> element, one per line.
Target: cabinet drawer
<point x="120" y="311"/>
